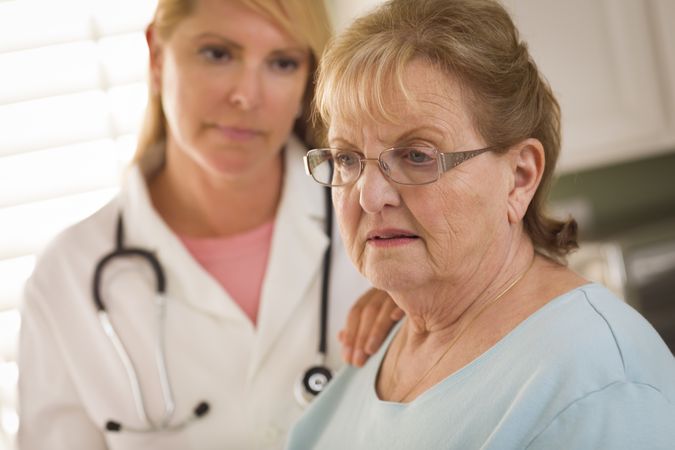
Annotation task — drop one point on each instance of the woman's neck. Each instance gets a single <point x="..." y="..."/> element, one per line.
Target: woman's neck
<point x="467" y="314"/>
<point x="468" y="319"/>
<point x="440" y="310"/>
<point x="197" y="203"/>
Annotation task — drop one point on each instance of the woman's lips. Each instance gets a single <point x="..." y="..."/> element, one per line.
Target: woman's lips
<point x="390" y="238"/>
<point x="238" y="133"/>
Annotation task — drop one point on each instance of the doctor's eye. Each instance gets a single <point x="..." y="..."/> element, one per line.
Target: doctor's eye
<point x="284" y="64"/>
<point x="215" y="54"/>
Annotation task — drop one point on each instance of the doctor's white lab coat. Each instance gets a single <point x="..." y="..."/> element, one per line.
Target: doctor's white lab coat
<point x="72" y="381"/>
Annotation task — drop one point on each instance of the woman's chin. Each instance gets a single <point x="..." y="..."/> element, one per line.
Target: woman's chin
<point x="393" y="277"/>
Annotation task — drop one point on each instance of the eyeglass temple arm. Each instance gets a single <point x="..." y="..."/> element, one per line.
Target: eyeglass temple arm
<point x="454" y="159"/>
<point x="305" y="162"/>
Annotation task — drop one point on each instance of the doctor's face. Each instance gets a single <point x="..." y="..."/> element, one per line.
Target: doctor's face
<point x="232" y="83"/>
<point x="401" y="237"/>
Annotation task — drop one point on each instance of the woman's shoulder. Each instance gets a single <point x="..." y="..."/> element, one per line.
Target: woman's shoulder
<point x="644" y="355"/>
<point x="590" y="333"/>
<point x="591" y="311"/>
<point x="610" y="370"/>
<point x="80" y="243"/>
<point x="618" y="321"/>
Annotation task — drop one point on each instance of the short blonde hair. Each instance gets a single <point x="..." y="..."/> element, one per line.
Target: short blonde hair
<point x="306" y="20"/>
<point x="476" y="42"/>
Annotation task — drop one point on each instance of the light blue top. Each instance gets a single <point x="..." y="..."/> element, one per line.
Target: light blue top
<point x="586" y="371"/>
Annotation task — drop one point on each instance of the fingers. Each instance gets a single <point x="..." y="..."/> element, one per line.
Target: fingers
<point x="369" y="314"/>
<point x="368" y="324"/>
<point x="389" y="314"/>
<point x="347" y="335"/>
<point x="397" y="313"/>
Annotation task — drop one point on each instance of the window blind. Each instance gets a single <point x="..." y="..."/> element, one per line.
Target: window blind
<point x="72" y="94"/>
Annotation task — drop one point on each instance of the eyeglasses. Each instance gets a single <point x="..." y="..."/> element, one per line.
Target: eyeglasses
<point x="406" y="165"/>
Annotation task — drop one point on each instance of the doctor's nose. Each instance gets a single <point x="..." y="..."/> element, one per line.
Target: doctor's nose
<point x="246" y="92"/>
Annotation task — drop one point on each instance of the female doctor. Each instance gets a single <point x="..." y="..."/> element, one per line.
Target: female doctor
<point x="196" y="309"/>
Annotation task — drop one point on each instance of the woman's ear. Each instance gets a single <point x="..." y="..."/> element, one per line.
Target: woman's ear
<point x="527" y="165"/>
<point x="155" y="52"/>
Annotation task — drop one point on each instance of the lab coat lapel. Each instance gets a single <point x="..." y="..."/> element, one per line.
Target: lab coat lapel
<point x="296" y="256"/>
<point x="186" y="280"/>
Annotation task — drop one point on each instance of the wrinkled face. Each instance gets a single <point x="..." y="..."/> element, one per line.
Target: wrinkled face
<point x="403" y="236"/>
<point x="232" y="83"/>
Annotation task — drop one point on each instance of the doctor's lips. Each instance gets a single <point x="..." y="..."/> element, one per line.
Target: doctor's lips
<point x="237" y="133"/>
<point x="390" y="237"/>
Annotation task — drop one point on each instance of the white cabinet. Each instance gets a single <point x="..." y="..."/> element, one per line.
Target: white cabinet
<point x="611" y="64"/>
<point x="344" y="11"/>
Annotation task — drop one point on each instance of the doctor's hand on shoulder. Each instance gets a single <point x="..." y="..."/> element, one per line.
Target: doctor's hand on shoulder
<point x="369" y="321"/>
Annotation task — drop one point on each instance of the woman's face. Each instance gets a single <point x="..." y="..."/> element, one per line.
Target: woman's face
<point x="232" y="83"/>
<point x="403" y="236"/>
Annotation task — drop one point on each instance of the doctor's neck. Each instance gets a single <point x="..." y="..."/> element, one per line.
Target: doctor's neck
<point x="197" y="200"/>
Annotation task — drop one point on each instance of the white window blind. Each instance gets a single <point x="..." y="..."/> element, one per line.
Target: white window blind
<point x="72" y="95"/>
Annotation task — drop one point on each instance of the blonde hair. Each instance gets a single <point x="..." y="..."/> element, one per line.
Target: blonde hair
<point x="476" y="42"/>
<point x="306" y="20"/>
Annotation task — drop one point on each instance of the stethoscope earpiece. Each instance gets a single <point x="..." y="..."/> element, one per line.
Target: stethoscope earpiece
<point x="313" y="382"/>
<point x="199" y="411"/>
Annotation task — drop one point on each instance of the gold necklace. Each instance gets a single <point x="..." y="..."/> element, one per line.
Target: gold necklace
<point x="459" y="335"/>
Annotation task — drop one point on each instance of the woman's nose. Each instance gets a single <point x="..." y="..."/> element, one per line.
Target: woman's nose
<point x="375" y="190"/>
<point x="247" y="92"/>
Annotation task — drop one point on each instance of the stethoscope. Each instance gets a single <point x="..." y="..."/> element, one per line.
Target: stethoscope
<point x="310" y="384"/>
<point x="315" y="379"/>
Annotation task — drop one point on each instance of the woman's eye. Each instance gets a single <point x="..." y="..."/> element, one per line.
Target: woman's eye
<point x="346" y="159"/>
<point x="418" y="157"/>
<point x="285" y="64"/>
<point x="215" y="54"/>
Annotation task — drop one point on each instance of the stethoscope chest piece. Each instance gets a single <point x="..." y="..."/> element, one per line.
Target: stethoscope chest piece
<point x="313" y="382"/>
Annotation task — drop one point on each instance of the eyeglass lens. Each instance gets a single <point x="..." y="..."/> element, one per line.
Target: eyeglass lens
<point x="413" y="165"/>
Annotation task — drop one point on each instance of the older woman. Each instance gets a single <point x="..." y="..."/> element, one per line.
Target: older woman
<point x="443" y="140"/>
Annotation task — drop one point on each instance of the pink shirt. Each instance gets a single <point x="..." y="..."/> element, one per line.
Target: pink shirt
<point x="237" y="262"/>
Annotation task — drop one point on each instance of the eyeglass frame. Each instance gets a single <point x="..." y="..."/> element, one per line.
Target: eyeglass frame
<point x="445" y="161"/>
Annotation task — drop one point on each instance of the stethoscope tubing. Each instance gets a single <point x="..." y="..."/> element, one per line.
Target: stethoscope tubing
<point x="315" y="378"/>
<point x="127" y="363"/>
<point x="325" y="280"/>
<point x="160" y="360"/>
<point x="307" y="385"/>
<point x="121" y="251"/>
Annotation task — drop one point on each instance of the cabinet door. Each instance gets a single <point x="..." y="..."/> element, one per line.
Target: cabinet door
<point x="663" y="14"/>
<point x="344" y="12"/>
<point x="602" y="58"/>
